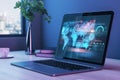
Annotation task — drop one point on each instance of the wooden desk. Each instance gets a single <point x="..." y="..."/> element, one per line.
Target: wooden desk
<point x="111" y="71"/>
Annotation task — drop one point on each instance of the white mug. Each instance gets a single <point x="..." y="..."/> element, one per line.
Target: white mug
<point x="4" y="52"/>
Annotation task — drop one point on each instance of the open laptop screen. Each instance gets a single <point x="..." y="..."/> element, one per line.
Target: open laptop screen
<point x="84" y="36"/>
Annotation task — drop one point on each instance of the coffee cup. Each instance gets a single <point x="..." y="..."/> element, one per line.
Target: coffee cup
<point x="4" y="52"/>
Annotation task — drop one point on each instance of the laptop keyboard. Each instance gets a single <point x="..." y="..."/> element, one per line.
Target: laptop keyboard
<point x="62" y="65"/>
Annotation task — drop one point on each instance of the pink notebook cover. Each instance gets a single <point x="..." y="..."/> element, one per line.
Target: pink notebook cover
<point x="45" y="53"/>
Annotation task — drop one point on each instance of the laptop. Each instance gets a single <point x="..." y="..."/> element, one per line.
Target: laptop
<point x="82" y="45"/>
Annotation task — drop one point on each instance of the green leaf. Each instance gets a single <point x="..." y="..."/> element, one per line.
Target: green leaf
<point x="29" y="7"/>
<point x="17" y="5"/>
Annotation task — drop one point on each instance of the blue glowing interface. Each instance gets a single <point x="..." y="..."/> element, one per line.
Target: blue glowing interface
<point x="84" y="37"/>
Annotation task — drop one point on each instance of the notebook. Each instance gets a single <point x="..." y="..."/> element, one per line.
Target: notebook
<point x="82" y="45"/>
<point x="46" y="52"/>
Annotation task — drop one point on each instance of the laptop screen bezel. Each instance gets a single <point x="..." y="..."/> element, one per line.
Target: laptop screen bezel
<point x="111" y="13"/>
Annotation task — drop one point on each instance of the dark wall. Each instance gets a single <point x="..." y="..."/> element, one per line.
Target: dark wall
<point x="57" y="8"/>
<point x="14" y="43"/>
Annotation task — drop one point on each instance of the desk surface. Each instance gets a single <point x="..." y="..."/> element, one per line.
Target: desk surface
<point x="111" y="71"/>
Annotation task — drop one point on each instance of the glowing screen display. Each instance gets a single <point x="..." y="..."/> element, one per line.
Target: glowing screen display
<point x="84" y="37"/>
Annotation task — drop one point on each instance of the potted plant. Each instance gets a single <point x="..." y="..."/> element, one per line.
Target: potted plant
<point x="28" y="8"/>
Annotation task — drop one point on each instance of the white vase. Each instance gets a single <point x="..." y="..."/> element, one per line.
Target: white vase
<point x="29" y="41"/>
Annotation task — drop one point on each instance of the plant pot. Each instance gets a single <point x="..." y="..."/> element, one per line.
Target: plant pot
<point x="29" y="41"/>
